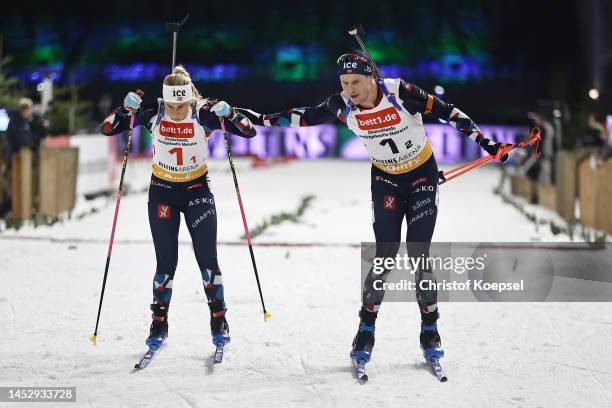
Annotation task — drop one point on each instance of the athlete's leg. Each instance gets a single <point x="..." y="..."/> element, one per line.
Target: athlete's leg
<point x="388" y="209"/>
<point x="201" y="218"/>
<point x="421" y="215"/>
<point x="164" y="220"/>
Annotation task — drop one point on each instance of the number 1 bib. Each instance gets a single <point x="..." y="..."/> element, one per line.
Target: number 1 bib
<point x="179" y="148"/>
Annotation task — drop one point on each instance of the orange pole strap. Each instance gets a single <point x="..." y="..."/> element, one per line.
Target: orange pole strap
<point x="535" y="137"/>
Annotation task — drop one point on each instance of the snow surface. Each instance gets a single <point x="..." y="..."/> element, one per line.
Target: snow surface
<point x="497" y="354"/>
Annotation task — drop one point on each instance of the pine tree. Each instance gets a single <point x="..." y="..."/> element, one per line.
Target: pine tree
<point x="8" y="100"/>
<point x="65" y="105"/>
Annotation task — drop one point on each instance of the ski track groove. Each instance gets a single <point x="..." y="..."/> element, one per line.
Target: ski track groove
<point x="571" y="349"/>
<point x="190" y="403"/>
<point x="11" y="309"/>
<point x="310" y="383"/>
<point x="177" y="393"/>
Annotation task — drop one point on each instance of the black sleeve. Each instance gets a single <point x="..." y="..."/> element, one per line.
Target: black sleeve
<point x="417" y="100"/>
<point x="326" y="112"/>
<point x="12" y="134"/>
<point x="39" y="130"/>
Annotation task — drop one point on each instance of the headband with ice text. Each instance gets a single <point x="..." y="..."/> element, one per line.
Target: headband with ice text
<point x="177" y="93"/>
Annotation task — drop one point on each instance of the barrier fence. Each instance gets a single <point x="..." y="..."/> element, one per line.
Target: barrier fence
<point x="48" y="182"/>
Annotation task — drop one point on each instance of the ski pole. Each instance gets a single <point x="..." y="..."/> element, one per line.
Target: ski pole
<point x="267" y="315"/>
<point x="174" y="29"/>
<point x="534" y="138"/>
<point x="357" y="32"/>
<point x="112" y="237"/>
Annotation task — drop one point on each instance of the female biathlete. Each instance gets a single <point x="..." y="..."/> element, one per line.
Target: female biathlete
<point x="180" y="124"/>
<point x="404" y="178"/>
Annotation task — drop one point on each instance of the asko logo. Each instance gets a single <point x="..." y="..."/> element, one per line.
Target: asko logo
<point x="180" y="130"/>
<point x="377" y="120"/>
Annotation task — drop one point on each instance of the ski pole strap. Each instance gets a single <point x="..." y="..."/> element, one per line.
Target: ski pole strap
<point x="391" y="98"/>
<point x="535" y="138"/>
<point x="456" y="172"/>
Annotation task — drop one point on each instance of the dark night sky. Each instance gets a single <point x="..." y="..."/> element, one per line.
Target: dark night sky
<point x="549" y="40"/>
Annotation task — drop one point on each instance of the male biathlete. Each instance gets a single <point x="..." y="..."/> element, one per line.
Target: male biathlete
<point x="404" y="176"/>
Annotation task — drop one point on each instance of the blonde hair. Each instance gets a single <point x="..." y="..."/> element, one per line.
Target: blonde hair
<point x="180" y="76"/>
<point x="25" y="103"/>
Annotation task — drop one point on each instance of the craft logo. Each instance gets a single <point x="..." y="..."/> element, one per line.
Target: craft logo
<point x="163" y="212"/>
<point x="390" y="202"/>
<point x="384" y="118"/>
<point x="178" y="130"/>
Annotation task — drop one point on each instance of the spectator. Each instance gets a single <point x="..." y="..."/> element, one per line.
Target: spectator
<point x="605" y="151"/>
<point x="541" y="169"/>
<point x="24" y="129"/>
<point x="596" y="132"/>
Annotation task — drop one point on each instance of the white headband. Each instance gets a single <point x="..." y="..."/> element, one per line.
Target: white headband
<point x="177" y="93"/>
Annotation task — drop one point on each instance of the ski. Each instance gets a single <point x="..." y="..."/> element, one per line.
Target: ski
<point x="218" y="354"/>
<point x="437" y="370"/>
<point x="219" y="341"/>
<point x="148" y="356"/>
<point x="360" y="373"/>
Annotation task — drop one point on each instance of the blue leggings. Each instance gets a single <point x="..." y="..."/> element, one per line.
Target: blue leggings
<point x="195" y="200"/>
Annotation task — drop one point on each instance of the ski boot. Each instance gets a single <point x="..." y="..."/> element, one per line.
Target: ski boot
<point x="430" y="342"/>
<point x="219" y="330"/>
<point x="363" y="343"/>
<point x="158" y="332"/>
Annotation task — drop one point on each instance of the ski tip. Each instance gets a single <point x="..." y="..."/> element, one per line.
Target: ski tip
<point x="93" y="338"/>
<point x="267" y="316"/>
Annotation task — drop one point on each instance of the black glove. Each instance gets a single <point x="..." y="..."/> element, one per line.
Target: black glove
<point x="493" y="148"/>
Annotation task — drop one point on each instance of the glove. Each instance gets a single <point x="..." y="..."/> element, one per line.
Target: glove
<point x="222" y="109"/>
<point x="493" y="148"/>
<point x="131" y="102"/>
